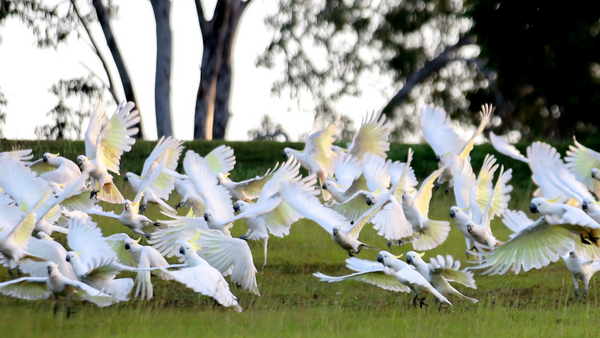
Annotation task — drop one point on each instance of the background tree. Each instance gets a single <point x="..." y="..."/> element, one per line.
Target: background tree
<point x="268" y="130"/>
<point x="2" y="113"/>
<point x="164" y="47"/>
<point x="212" y="102"/>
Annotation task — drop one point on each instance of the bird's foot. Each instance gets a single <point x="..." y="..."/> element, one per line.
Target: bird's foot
<point x="389" y="244"/>
<point x="421" y="232"/>
<point x="576" y="294"/>
<point x="179" y="205"/>
<point x="422" y="302"/>
<point x="93" y="193"/>
<point x="467" y="252"/>
<point x="68" y="312"/>
<point x="448" y="191"/>
<point x="400" y="243"/>
<point x="157" y="224"/>
<point x="55" y="308"/>
<point x="440" y="307"/>
<point x="415" y="301"/>
<point x="244" y="237"/>
<point x="238" y="286"/>
<point x="10" y="273"/>
<point x="148" y="236"/>
<point x="350" y="253"/>
<point x="436" y="301"/>
<point x="436" y="187"/>
<point x="19" y="272"/>
<point x="142" y="209"/>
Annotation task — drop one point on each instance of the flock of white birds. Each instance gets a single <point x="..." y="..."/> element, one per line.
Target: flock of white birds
<point x="356" y="186"/>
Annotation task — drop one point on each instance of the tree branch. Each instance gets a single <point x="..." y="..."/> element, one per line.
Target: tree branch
<point x="111" y="84"/>
<point x="204" y="24"/>
<point x="271" y="136"/>
<point x="429" y="68"/>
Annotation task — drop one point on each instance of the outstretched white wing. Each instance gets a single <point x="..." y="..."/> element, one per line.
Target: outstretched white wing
<point x="448" y="268"/>
<point x="516" y="221"/>
<point x="223" y="252"/>
<point x="209" y="282"/>
<point x="486" y="115"/>
<point x="51" y="251"/>
<point x="542" y="157"/>
<point x="169" y="149"/>
<point x="31" y="288"/>
<point x="85" y="237"/>
<point x="221" y="160"/>
<point x="438" y="132"/>
<point x="376" y="171"/>
<point x="464" y="182"/>
<point x="507" y="149"/>
<point x="168" y="240"/>
<point x="86" y="292"/>
<point x="319" y="144"/>
<point x="346" y="168"/>
<point x="424" y="195"/>
<point x="581" y="161"/>
<point x="19" y="155"/>
<point x="371" y="137"/>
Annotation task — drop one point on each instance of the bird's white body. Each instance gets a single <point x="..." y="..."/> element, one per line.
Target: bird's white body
<point x="581" y="269"/>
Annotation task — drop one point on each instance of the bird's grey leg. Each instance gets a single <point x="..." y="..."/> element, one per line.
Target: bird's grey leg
<point x="586" y="282"/>
<point x="422" y="302"/>
<point x="389" y="243"/>
<point x="400" y="243"/>
<point x="55" y="304"/>
<point x="10" y="273"/>
<point x="436" y="300"/>
<point x="415" y="300"/>
<point x="448" y="191"/>
<point x="19" y="271"/>
<point x="68" y="306"/>
<point x="440" y="307"/>
<point x="436" y="186"/>
<point x="359" y="248"/>
<point x="179" y="205"/>
<point x="142" y="209"/>
<point x="350" y="253"/>
<point x="576" y="284"/>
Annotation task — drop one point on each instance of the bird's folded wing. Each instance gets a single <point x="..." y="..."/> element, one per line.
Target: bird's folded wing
<point x="464" y="182"/>
<point x="372" y="137"/>
<point x="438" y="132"/>
<point x="534" y="247"/>
<point x="576" y="216"/>
<point x="168" y="240"/>
<point x="424" y="194"/>
<point x="223" y="252"/>
<point x="449" y="269"/>
<point x="411" y="276"/>
<point x="217" y="197"/>
<point x="117" y="137"/>
<point x="117" y="244"/>
<point x="486" y="116"/>
<point x="346" y="169"/>
<point x="221" y="160"/>
<point x="506" y="148"/>
<point x="41" y="167"/>
<point x="31" y="288"/>
<point x="391" y="223"/>
<point x="81" y="201"/>
<point x="580" y="161"/>
<point x="376" y="171"/>
<point x="310" y="207"/>
<point x="377" y="278"/>
<point x="86" y="292"/>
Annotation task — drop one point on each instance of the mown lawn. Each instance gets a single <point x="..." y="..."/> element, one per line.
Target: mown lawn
<point x="293" y="303"/>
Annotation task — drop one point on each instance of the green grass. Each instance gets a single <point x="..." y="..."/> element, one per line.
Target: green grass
<point x="538" y="303"/>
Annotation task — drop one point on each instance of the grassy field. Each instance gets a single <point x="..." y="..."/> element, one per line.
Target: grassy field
<point x="293" y="303"/>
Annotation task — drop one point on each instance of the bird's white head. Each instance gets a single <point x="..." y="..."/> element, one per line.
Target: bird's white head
<point x="542" y="205"/>
<point x="186" y="249"/>
<point x="51" y="159"/>
<point x="443" y="160"/>
<point x="207" y="215"/>
<point x="52" y="269"/>
<point x="289" y="153"/>
<point x="43" y="236"/>
<point x="595" y="174"/>
<point x="459" y="215"/>
<point x="414" y="258"/>
<point x="73" y="257"/>
<point x="391" y="261"/>
<point x="83" y="162"/>
<point x="372" y="198"/>
<point x="128" y="205"/>
<point x="131" y="244"/>
<point x="336" y="231"/>
<point x="240" y="206"/>
<point x="590" y="206"/>
<point x="573" y="254"/>
<point x="131" y="178"/>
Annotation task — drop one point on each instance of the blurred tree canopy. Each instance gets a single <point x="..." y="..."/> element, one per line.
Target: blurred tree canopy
<point x="538" y="62"/>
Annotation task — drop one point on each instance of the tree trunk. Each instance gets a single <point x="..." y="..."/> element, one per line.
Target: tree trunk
<point x="162" y="86"/>
<point x="104" y="19"/>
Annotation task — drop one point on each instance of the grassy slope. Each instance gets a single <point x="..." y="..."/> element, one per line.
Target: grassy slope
<point x="293" y="303"/>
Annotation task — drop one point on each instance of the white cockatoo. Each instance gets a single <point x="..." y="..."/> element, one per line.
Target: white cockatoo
<point x="246" y="190"/>
<point x="506" y="148"/>
<point x="231" y="256"/>
<point x="478" y="202"/>
<point x="16" y="228"/>
<point x="131" y="253"/>
<point x="372" y="136"/>
<point x="445" y="141"/>
<point x="442" y="270"/>
<point x="57" y="169"/>
<point x="198" y="275"/>
<point x="584" y="164"/>
<point x="105" y="142"/>
<point x="130" y="217"/>
<point x="317" y="155"/>
<point x="582" y="270"/>
<point x="427" y="233"/>
<point x="160" y="188"/>
<point x="271" y="212"/>
<point x="55" y="285"/>
<point x="535" y="244"/>
<point x="45" y="247"/>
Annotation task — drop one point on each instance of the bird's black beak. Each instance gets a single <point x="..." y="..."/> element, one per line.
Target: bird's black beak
<point x="236" y="207"/>
<point x="437" y="158"/>
<point x="380" y="259"/>
<point x="182" y="251"/>
<point x="452" y="213"/>
<point x="409" y="260"/>
<point x="206" y="217"/>
<point x="469" y="228"/>
<point x="68" y="259"/>
<point x="45" y="159"/>
<point x="285" y="155"/>
<point x="127" y="246"/>
<point x="49" y="270"/>
<point x="593" y="174"/>
<point x="584" y="206"/>
<point x="126" y="207"/>
<point x="369" y="202"/>
<point x="126" y="179"/>
<point x="335" y="232"/>
<point x="533" y="208"/>
<point x="324" y="186"/>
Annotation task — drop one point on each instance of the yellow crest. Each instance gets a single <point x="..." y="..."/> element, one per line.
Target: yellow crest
<point x="553" y="200"/>
<point x="466" y="209"/>
<point x="138" y="240"/>
<point x="421" y="254"/>
<point x="57" y="154"/>
<point x="80" y="252"/>
<point x="192" y="241"/>
<point x="400" y="255"/>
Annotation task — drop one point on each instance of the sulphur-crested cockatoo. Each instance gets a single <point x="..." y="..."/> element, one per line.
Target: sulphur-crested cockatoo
<point x="200" y="276"/>
<point x="317" y="154"/>
<point x="57" y="169"/>
<point x="130" y="217"/>
<point x="445" y="141"/>
<point x="45" y="247"/>
<point x="105" y="142"/>
<point x="442" y="270"/>
<point x="582" y="270"/>
<point x="372" y="136"/>
<point x="246" y="190"/>
<point x="55" y="285"/>
<point x="584" y="163"/>
<point x="160" y="189"/>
